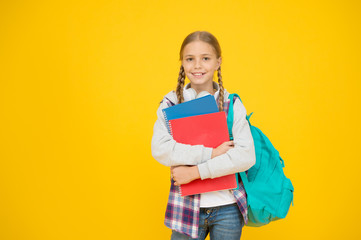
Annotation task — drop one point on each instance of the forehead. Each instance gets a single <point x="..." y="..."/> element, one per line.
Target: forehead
<point x="198" y="48"/>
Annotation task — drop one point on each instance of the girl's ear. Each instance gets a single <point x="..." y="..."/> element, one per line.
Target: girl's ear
<point x="219" y="60"/>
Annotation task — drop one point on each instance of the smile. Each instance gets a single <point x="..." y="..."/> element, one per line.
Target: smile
<point x="198" y="74"/>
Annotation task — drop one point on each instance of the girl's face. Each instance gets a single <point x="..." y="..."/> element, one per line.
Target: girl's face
<point x="200" y="62"/>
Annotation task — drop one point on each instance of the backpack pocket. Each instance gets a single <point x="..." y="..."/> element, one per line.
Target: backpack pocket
<point x="286" y="198"/>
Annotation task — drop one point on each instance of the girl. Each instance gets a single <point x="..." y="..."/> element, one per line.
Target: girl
<point x="222" y="214"/>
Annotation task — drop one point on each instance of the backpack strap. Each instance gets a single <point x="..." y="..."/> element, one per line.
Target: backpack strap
<point x="230" y="117"/>
<point x="230" y="114"/>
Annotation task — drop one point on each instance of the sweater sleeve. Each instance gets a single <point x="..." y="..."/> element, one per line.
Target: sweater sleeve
<point x="238" y="159"/>
<point x="171" y="153"/>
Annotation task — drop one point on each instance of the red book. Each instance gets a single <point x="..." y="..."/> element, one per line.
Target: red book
<point x="209" y="130"/>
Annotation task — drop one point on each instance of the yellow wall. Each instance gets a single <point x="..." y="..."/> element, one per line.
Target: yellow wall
<point x="81" y="82"/>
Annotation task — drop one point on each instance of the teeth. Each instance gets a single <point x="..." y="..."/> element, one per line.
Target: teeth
<point x="198" y="74"/>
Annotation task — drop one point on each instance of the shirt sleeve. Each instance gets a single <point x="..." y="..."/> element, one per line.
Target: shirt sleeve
<point x="238" y="159"/>
<point x="171" y="153"/>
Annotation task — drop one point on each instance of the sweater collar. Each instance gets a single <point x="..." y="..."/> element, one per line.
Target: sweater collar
<point x="190" y="94"/>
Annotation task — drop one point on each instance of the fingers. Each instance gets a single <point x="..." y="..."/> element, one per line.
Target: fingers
<point x="227" y="143"/>
<point x="174" y="177"/>
<point x="173" y="172"/>
<point x="182" y="174"/>
<point x="230" y="144"/>
<point x="173" y="167"/>
<point x="175" y="181"/>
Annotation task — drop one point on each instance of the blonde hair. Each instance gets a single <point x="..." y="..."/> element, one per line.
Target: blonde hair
<point x="210" y="39"/>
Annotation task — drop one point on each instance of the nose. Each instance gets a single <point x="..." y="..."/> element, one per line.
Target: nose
<point x="197" y="63"/>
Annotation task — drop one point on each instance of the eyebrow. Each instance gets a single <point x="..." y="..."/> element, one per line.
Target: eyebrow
<point x="204" y="54"/>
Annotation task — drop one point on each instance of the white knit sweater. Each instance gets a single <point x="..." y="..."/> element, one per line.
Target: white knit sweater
<point x="170" y="153"/>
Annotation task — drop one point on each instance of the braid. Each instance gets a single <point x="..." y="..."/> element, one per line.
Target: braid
<point x="180" y="85"/>
<point x="221" y="90"/>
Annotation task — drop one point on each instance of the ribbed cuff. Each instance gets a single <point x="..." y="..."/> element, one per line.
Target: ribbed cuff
<point x="204" y="171"/>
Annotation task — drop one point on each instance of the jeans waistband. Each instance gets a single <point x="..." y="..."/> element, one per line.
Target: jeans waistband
<point x="218" y="207"/>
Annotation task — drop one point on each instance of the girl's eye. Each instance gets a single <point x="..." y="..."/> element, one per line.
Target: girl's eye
<point x="190" y="59"/>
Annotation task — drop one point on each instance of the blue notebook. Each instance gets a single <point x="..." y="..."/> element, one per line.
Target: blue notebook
<point x="198" y="106"/>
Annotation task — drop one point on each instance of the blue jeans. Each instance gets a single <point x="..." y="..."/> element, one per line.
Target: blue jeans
<point x="222" y="223"/>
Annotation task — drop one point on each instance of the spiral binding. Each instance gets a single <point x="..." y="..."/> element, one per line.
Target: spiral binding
<point x="169" y="126"/>
<point x="177" y="188"/>
<point x="180" y="190"/>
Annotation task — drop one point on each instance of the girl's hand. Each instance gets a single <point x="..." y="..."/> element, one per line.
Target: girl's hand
<point x="184" y="174"/>
<point x="223" y="148"/>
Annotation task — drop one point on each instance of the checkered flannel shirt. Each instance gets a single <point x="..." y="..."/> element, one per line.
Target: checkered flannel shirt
<point x="182" y="213"/>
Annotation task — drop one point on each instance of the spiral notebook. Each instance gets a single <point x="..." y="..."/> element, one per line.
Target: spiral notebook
<point x="198" y="106"/>
<point x="209" y="130"/>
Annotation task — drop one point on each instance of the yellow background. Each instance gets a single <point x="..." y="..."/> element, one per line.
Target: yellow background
<point x="81" y="82"/>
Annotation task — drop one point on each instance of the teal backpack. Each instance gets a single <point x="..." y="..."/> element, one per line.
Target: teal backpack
<point x="269" y="191"/>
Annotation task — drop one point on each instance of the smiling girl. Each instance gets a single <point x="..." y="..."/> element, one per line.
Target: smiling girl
<point x="222" y="214"/>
